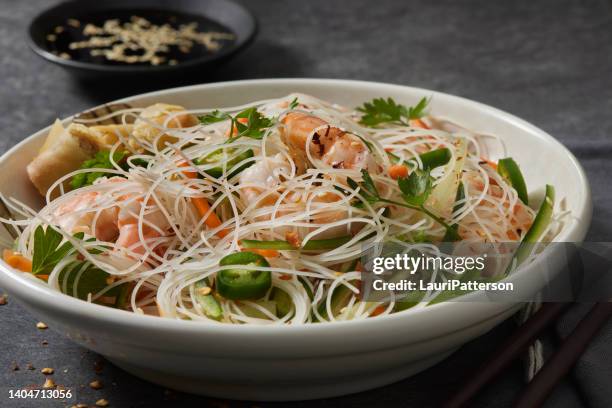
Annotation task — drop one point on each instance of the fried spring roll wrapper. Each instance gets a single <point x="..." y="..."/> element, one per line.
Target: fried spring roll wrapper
<point x="63" y="152"/>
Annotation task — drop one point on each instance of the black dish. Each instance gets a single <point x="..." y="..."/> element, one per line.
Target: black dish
<point x="215" y="15"/>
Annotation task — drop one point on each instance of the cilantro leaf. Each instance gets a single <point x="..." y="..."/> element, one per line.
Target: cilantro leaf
<point x="214" y="117"/>
<point x="101" y="160"/>
<point x="254" y="126"/>
<point x="250" y="122"/>
<point x="92" y="280"/>
<point x="47" y="250"/>
<point x="367" y="188"/>
<point x="416" y="187"/>
<point x="380" y="110"/>
<point x="294" y="103"/>
<point x="418" y="111"/>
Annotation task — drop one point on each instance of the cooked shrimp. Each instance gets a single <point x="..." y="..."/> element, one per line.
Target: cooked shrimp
<point x="263" y="176"/>
<point x="330" y="144"/>
<point x="117" y="223"/>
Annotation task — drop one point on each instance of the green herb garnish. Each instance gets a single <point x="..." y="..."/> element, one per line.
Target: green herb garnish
<point x="380" y="110"/>
<point x="101" y="160"/>
<point x="254" y="127"/>
<point x="47" y="249"/>
<point x="294" y="103"/>
<point x="415" y="191"/>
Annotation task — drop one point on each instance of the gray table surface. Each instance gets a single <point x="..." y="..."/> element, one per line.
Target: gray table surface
<point x="548" y="62"/>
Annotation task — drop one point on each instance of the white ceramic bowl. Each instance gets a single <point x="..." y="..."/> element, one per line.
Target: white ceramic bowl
<point x="299" y="362"/>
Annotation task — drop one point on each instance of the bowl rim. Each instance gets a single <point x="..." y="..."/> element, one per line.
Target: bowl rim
<point x="18" y="281"/>
<point x="122" y="69"/>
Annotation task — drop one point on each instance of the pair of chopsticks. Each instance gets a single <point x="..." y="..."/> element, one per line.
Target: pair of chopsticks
<point x="557" y="366"/>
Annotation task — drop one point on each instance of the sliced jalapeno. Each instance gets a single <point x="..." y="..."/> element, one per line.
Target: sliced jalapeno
<point x="219" y="156"/>
<point x="430" y="160"/>
<point x="435" y="158"/>
<point x="510" y="171"/>
<point x="242" y="282"/>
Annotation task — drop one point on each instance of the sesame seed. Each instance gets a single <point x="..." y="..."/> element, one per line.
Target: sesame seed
<point x="51" y="37"/>
<point x="73" y="22"/>
<point x="47" y="371"/>
<point x="41" y="326"/>
<point x="102" y="403"/>
<point x="204" y="291"/>
<point x="96" y="384"/>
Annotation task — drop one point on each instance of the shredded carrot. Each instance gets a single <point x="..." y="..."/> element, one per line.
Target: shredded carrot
<point x="293" y="238"/>
<point x="235" y="130"/>
<point x="419" y="123"/>
<point x="512" y="235"/>
<point x="490" y="163"/>
<point x="17" y="261"/>
<point x="285" y="276"/>
<point x="397" y="171"/>
<point x="267" y="253"/>
<point x="378" y="310"/>
<point x="201" y="204"/>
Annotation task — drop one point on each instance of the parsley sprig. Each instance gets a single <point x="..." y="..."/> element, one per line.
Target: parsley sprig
<point x="415" y="189"/>
<point x="253" y="123"/>
<point x="381" y="110"/>
<point x="47" y="249"/>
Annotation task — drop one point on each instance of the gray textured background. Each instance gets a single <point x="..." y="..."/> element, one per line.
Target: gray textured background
<point x="549" y="62"/>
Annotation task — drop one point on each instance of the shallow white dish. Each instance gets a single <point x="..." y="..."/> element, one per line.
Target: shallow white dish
<point x="300" y="362"/>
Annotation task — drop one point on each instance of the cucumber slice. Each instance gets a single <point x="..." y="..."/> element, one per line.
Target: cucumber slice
<point x="252" y="311"/>
<point x="510" y="171"/>
<point x="340" y="298"/>
<point x="219" y="156"/>
<point x="284" y="304"/>
<point x="210" y="306"/>
<point x="540" y="223"/>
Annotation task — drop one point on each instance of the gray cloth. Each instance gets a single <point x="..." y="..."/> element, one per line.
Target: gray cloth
<point x="545" y="61"/>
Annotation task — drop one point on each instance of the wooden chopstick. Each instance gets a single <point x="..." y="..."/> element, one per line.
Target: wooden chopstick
<point x="559" y="364"/>
<point x="506" y="353"/>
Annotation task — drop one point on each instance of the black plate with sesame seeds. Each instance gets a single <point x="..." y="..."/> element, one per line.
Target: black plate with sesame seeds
<point x="122" y="37"/>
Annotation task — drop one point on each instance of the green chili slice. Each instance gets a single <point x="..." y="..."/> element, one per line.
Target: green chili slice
<point x="430" y="160"/>
<point x="241" y="282"/>
<point x="511" y="172"/>
<point x="435" y="158"/>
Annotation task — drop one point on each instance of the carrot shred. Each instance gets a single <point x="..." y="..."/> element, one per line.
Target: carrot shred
<point x="397" y="171"/>
<point x="490" y="163"/>
<point x="419" y="123"/>
<point x="234" y="129"/>
<point x="201" y="204"/>
<point x="266" y="253"/>
<point x="379" y="310"/>
<point x="17" y="261"/>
